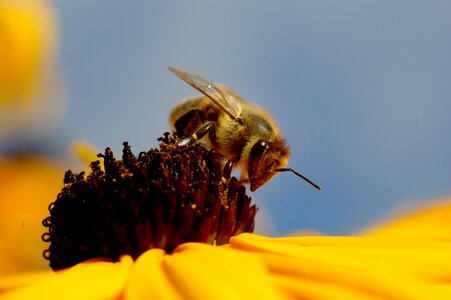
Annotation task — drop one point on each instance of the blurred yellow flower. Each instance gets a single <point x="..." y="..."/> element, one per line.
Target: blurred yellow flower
<point x="256" y="267"/>
<point x="27" y="186"/>
<point x="30" y="90"/>
<point x="30" y="105"/>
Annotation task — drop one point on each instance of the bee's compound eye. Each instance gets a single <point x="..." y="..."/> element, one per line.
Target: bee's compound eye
<point x="258" y="149"/>
<point x="256" y="155"/>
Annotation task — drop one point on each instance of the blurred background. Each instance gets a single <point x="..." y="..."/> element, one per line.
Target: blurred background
<point x="361" y="90"/>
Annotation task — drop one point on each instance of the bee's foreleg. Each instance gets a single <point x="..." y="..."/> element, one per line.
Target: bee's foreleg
<point x="200" y="133"/>
<point x="227" y="171"/>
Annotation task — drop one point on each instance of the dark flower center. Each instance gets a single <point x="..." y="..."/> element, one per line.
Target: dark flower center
<point x="160" y="199"/>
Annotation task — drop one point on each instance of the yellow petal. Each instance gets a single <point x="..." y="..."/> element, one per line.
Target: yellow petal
<point x="85" y="152"/>
<point x="305" y="288"/>
<point x="23" y="36"/>
<point x="29" y="79"/>
<point x="90" y="280"/>
<point x="200" y="271"/>
<point x="16" y="281"/>
<point x="372" y="266"/>
<point x="27" y="186"/>
<point x="432" y="221"/>
<point x="148" y="279"/>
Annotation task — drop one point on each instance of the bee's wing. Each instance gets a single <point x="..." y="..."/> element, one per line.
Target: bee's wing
<point x="221" y="95"/>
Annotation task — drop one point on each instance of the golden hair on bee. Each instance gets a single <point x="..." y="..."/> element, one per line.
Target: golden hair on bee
<point x="243" y="132"/>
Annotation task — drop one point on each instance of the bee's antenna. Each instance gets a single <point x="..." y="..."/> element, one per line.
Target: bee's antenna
<point x="300" y="175"/>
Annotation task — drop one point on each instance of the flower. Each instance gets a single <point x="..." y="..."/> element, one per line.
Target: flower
<point x="407" y="258"/>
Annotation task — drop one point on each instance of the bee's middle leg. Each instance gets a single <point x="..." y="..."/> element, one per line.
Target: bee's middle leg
<point x="197" y="135"/>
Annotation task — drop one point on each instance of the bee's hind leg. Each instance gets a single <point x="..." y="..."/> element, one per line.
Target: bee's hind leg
<point x="197" y="135"/>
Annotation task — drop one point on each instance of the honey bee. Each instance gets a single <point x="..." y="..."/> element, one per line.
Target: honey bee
<point x="243" y="132"/>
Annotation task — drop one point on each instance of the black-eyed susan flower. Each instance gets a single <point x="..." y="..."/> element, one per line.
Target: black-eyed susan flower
<point x="398" y="260"/>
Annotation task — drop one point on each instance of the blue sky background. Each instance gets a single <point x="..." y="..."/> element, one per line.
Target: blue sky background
<point x="361" y="90"/>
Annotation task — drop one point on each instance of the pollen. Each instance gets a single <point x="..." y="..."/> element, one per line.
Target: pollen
<point x="159" y="199"/>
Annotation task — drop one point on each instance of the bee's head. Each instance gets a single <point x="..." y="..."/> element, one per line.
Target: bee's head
<point x="265" y="157"/>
